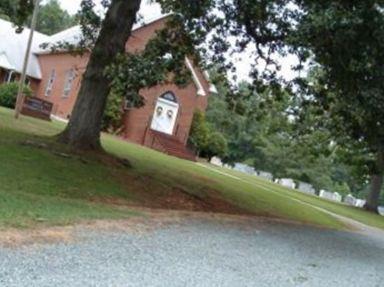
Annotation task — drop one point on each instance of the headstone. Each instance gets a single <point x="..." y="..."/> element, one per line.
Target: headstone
<point x="350" y="199"/>
<point x="360" y="202"/>
<point x="306" y="187"/>
<point x="337" y="197"/>
<point x="326" y="194"/>
<point x="265" y="175"/>
<point x="241" y="167"/>
<point x="216" y="161"/>
<point x="381" y="210"/>
<point x="287" y="182"/>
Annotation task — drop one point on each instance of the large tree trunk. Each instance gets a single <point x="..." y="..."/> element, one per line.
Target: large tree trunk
<point x="376" y="184"/>
<point x="83" y="130"/>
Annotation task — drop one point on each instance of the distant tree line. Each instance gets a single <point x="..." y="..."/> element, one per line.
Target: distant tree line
<point x="273" y="132"/>
<point x="52" y="18"/>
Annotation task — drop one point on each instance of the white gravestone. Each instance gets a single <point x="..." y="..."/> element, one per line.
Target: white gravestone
<point x="287" y="182"/>
<point x="265" y="175"/>
<point x="337" y="197"/>
<point x="326" y="194"/>
<point x="360" y="202"/>
<point x="216" y="161"/>
<point x="306" y="187"/>
<point x="350" y="200"/>
<point x="244" y="168"/>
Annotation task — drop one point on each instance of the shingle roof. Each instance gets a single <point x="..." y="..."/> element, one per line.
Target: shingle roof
<point x="4" y="62"/>
<point x="74" y="35"/>
<point x="13" y="47"/>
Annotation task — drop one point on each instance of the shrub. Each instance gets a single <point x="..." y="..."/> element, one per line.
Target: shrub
<point x="199" y="134"/>
<point x="208" y="143"/>
<point x="217" y="145"/>
<point x="113" y="113"/>
<point x="8" y="94"/>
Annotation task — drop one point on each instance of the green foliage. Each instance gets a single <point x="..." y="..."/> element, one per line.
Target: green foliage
<point x="8" y="94"/>
<point x="216" y="145"/>
<point x="7" y="9"/>
<point x="17" y="11"/>
<point x="113" y="113"/>
<point x="207" y="141"/>
<point x="162" y="60"/>
<point x="52" y="19"/>
<point x="348" y="70"/>
<point x="265" y="130"/>
<point x="199" y="134"/>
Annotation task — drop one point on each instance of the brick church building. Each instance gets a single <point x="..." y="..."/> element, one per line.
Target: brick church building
<point x="163" y="123"/>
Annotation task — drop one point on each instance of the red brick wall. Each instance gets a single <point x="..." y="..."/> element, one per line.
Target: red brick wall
<point x="34" y="85"/>
<point x="62" y="63"/>
<point x="141" y="36"/>
<point x="136" y="121"/>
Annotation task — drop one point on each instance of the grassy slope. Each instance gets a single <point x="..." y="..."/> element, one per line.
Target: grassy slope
<point x="195" y="178"/>
<point x="36" y="184"/>
<point x="355" y="213"/>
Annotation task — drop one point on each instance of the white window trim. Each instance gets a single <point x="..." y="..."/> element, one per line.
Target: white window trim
<point x="69" y="79"/>
<point x="50" y="83"/>
<point x="168" y="102"/>
<point x="195" y="78"/>
<point x="212" y="87"/>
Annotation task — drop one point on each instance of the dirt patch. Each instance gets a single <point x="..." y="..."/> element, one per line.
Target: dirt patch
<point x="14" y="237"/>
<point x="147" y="191"/>
<point x="143" y="189"/>
<point x="149" y="220"/>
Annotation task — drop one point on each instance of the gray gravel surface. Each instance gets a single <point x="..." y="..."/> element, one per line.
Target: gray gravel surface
<point x="199" y="252"/>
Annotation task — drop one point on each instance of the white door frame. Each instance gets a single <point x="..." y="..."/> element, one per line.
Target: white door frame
<point x="162" y="122"/>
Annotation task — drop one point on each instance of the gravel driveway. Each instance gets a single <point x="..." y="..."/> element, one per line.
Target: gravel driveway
<point x="198" y="251"/>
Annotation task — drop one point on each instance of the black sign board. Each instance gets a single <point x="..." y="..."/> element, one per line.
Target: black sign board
<point x="37" y="108"/>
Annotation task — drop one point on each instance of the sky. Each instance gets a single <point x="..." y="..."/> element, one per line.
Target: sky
<point x="243" y="62"/>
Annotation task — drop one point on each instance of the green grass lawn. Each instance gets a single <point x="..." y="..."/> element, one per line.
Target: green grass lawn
<point x="354" y="213"/>
<point x="40" y="185"/>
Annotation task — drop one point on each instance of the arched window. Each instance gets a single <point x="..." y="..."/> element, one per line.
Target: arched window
<point x="169" y="96"/>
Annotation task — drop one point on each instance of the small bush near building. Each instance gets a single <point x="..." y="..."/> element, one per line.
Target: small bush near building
<point x="216" y="146"/>
<point x="8" y="94"/>
<point x="207" y="142"/>
<point x="199" y="134"/>
<point x="113" y="113"/>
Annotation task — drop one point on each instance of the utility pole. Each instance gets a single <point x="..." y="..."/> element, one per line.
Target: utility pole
<point x="20" y="94"/>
